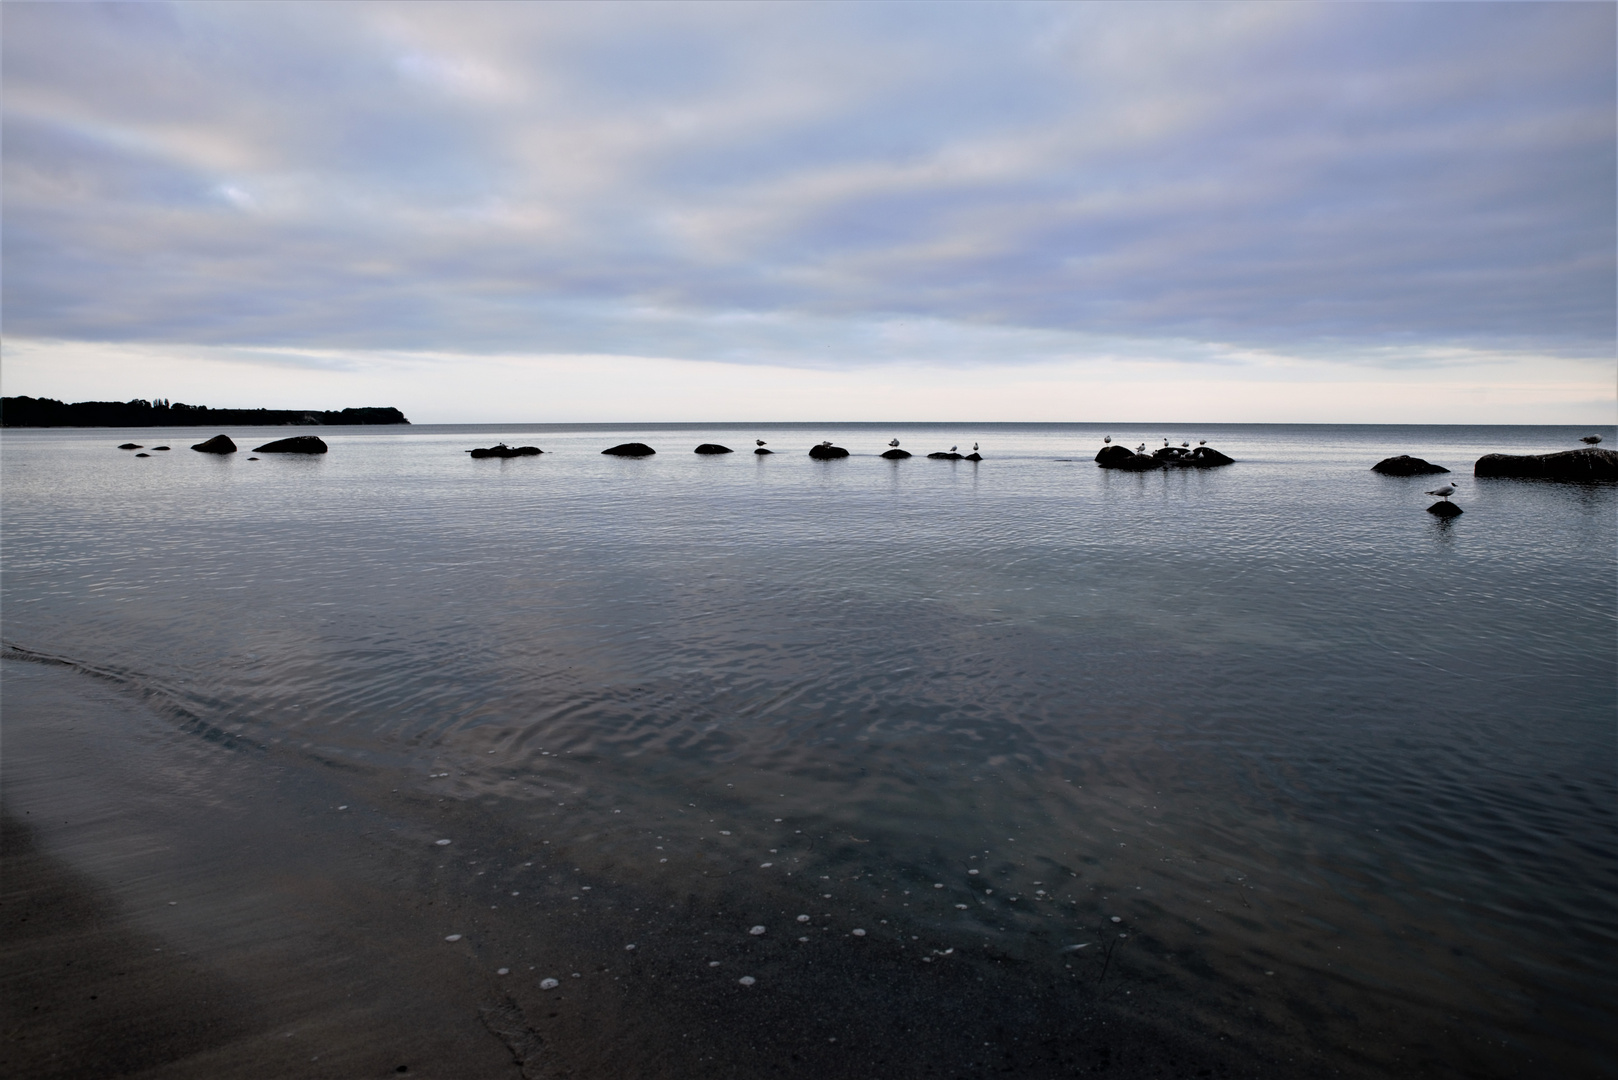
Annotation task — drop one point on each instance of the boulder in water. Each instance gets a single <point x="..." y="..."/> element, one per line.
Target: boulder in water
<point x="501" y="450"/>
<point x="143" y="455"/>
<point x="630" y="449"/>
<point x="159" y="448"/>
<point x="129" y="446"/>
<point x="713" y="448"/>
<point x="1444" y="509"/>
<point x="827" y="453"/>
<point x="1588" y="463"/>
<point x="974" y="456"/>
<point x="1111" y="455"/>
<point x="219" y="444"/>
<point x="298" y="444"/>
<point x="1405" y="465"/>
<point x="1206" y="457"/>
<point x="761" y="450"/>
<point x="945" y="456"/>
<point x="896" y="454"/>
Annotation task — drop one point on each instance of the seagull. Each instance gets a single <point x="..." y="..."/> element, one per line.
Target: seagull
<point x="974" y="448"/>
<point x="826" y="443"/>
<point x="893" y="442"/>
<point x="1591" y="439"/>
<point x="1444" y="492"/>
<point x="1106" y="439"/>
<point x="952" y="449"/>
<point x="759" y="441"/>
<point x="1165" y="442"/>
<point x="1187" y="443"/>
<point x="1141" y="449"/>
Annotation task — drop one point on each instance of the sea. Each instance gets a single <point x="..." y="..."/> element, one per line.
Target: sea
<point x="1016" y="766"/>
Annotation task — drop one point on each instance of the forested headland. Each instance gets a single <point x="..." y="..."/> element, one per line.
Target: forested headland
<point x="48" y="412"/>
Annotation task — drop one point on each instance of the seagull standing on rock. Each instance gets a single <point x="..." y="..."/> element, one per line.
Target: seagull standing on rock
<point x="1591" y="439"/>
<point x="759" y="441"/>
<point x="1444" y="492"/>
<point x="893" y="443"/>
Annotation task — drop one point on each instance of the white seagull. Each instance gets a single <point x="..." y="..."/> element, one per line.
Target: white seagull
<point x="1444" y="492"/>
<point x="1141" y="449"/>
<point x="1591" y="439"/>
<point x="974" y="448"/>
<point x="1106" y="438"/>
<point x="893" y="442"/>
<point x="1202" y="442"/>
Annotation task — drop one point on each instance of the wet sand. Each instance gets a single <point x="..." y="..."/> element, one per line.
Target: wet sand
<point x="180" y="903"/>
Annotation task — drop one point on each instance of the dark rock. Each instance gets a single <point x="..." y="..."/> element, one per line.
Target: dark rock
<point x="827" y="453"/>
<point x="713" y="448"/>
<point x="630" y="449"/>
<point x="945" y="456"/>
<point x="1444" y="509"/>
<point x="252" y="459"/>
<point x="501" y="450"/>
<point x="1137" y="463"/>
<point x="1590" y="463"/>
<point x="129" y="446"/>
<point x="761" y="450"/>
<point x="159" y="448"/>
<point x="1405" y="465"/>
<point x="143" y="455"/>
<point x="1206" y="457"/>
<point x="1110" y="456"/>
<point x="219" y="444"/>
<point x="1170" y="455"/>
<point x="974" y="456"/>
<point x="896" y="454"/>
<point x="298" y="444"/>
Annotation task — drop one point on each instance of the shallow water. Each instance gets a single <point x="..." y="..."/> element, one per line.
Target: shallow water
<point x="1325" y="756"/>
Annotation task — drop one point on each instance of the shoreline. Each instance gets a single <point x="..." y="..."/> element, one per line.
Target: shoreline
<point x="309" y="930"/>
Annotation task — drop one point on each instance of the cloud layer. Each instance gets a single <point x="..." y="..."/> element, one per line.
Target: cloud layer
<point x="820" y="186"/>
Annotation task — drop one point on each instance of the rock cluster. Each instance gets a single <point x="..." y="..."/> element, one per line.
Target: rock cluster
<point x="1121" y="457"/>
<point x="501" y="450"/>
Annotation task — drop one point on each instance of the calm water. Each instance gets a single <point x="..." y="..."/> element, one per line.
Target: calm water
<point x="1309" y="743"/>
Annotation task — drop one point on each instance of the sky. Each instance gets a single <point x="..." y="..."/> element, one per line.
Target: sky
<point x="508" y="212"/>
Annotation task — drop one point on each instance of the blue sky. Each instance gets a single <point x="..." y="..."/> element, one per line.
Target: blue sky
<point x="505" y="212"/>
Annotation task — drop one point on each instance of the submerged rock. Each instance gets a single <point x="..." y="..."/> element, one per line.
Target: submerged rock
<point x="1588" y="463"/>
<point x="945" y="455"/>
<point x="298" y="444"/>
<point x="219" y="444"/>
<point x="896" y="454"/>
<point x="159" y="448"/>
<point x="143" y="455"/>
<point x="129" y="446"/>
<point x="825" y="452"/>
<point x="1444" y="509"/>
<point x="713" y="448"/>
<point x="630" y="449"/>
<point x="1405" y="465"/>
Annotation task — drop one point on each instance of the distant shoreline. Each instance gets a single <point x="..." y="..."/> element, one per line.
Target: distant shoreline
<point x="29" y="412"/>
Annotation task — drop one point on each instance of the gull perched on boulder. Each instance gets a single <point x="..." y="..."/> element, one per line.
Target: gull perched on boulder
<point x="1443" y="493"/>
<point x="1591" y="440"/>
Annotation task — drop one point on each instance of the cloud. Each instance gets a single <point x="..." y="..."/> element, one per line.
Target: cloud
<point x="817" y="186"/>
